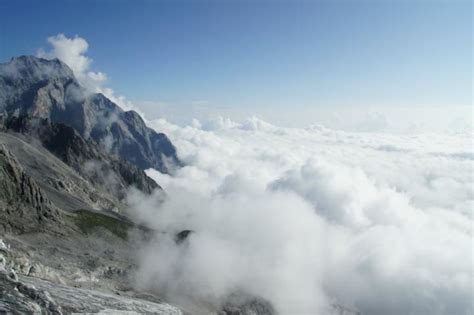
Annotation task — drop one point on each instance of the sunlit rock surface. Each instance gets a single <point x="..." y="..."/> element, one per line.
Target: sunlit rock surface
<point x="48" y="89"/>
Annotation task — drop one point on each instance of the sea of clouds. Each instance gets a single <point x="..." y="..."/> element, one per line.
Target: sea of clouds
<point x="307" y="218"/>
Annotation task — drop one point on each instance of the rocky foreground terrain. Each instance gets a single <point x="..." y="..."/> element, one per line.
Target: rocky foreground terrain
<point x="67" y="160"/>
<point x="65" y="246"/>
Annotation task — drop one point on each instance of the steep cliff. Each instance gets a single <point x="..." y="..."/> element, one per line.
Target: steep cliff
<point x="23" y="205"/>
<point x="48" y="89"/>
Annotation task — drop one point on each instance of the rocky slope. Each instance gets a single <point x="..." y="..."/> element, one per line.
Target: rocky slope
<point x="23" y="205"/>
<point x="66" y="252"/>
<point x="48" y="89"/>
<point x="22" y="291"/>
<point x="61" y="237"/>
<point x="111" y="175"/>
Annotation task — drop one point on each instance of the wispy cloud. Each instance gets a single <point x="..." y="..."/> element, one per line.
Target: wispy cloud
<point x="73" y="52"/>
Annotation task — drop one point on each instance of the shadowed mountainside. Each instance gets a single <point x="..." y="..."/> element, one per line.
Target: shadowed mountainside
<point x="84" y="156"/>
<point x="48" y="89"/>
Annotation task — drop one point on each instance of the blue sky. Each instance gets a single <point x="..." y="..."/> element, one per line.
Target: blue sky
<point x="263" y="54"/>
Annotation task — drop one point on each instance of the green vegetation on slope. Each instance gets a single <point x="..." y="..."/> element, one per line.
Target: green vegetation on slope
<point x="87" y="221"/>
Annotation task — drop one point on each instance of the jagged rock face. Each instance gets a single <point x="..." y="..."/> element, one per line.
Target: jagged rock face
<point x="126" y="135"/>
<point x="84" y="156"/>
<point x="23" y="205"/>
<point x="25" y="81"/>
<point x="48" y="89"/>
<point x="243" y="304"/>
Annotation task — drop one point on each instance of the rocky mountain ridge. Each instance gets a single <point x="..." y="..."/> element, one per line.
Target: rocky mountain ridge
<point x="48" y="89"/>
<point x="84" y="156"/>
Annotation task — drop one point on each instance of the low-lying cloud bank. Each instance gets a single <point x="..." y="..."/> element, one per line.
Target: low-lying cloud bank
<point x="306" y="218"/>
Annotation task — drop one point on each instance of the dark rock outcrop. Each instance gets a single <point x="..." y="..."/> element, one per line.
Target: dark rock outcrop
<point x="243" y="304"/>
<point x="48" y="89"/>
<point x="23" y="205"/>
<point x="182" y="236"/>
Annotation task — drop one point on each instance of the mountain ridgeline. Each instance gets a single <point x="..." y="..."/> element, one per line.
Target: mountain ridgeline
<point x="48" y="89"/>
